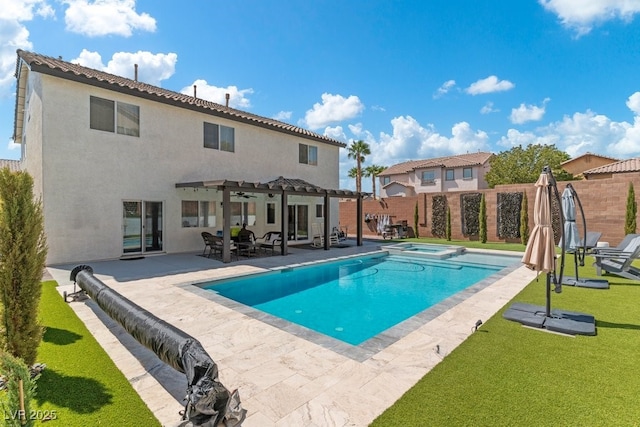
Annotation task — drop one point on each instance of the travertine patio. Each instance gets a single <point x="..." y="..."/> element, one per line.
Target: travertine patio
<point x="286" y="375"/>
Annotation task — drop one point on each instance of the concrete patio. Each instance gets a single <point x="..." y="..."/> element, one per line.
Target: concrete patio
<point x="286" y="375"/>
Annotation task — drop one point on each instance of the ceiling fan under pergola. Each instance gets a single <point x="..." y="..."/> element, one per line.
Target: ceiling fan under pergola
<point x="245" y="195"/>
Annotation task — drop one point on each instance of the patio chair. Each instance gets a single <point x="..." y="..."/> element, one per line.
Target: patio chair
<point x="618" y="262"/>
<point x="270" y="240"/>
<point x="209" y="243"/>
<point x="318" y="236"/>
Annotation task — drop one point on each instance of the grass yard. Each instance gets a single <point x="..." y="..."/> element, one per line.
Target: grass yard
<point x="81" y="384"/>
<point x="509" y="375"/>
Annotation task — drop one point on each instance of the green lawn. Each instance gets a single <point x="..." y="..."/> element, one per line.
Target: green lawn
<point x="81" y="384"/>
<point x="508" y="375"/>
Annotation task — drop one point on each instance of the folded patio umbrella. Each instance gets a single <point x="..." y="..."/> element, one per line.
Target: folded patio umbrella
<point x="540" y="252"/>
<point x="571" y="237"/>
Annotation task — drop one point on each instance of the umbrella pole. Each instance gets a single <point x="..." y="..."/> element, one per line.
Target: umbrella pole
<point x="548" y="307"/>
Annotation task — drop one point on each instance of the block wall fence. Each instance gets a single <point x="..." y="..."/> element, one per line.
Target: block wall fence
<point x="604" y="202"/>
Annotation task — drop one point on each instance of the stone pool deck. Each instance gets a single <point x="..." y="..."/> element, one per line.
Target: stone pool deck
<point x="285" y="375"/>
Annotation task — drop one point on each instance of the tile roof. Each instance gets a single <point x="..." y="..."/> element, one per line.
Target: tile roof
<point x="455" y="161"/>
<point x="63" y="69"/>
<point x="629" y="165"/>
<point x="589" y="154"/>
<point x="13" y="165"/>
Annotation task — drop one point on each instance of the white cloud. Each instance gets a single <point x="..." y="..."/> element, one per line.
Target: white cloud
<point x="105" y="17"/>
<point x="634" y="103"/>
<point x="153" y="68"/>
<point x="14" y="35"/>
<point x="444" y="89"/>
<point x="283" y="116"/>
<point x="334" y="108"/>
<point x="237" y="97"/>
<point x="489" y="85"/>
<point x="335" y="133"/>
<point x="582" y="16"/>
<point x="410" y="140"/>
<point x="13" y="145"/>
<point x="488" y="109"/>
<point x="528" y="113"/>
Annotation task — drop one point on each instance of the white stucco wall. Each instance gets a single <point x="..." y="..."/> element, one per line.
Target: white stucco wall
<point x="87" y="174"/>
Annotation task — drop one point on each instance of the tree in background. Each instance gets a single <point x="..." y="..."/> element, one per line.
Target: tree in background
<point x="22" y="256"/>
<point x="448" y="223"/>
<point x="357" y="150"/>
<point x="482" y="220"/>
<point x="632" y="210"/>
<point x="520" y="166"/>
<point x="416" y="220"/>
<point x="524" y="219"/>
<point x="373" y="171"/>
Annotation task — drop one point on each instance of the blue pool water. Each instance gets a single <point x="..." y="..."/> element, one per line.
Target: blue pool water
<point x="355" y="299"/>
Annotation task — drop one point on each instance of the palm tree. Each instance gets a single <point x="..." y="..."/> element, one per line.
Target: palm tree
<point x="373" y="171"/>
<point x="357" y="150"/>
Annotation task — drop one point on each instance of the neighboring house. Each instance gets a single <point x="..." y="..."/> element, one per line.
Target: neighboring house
<point x="125" y="168"/>
<point x="578" y="165"/>
<point x="463" y="172"/>
<point x="607" y="171"/>
<point x="13" y="165"/>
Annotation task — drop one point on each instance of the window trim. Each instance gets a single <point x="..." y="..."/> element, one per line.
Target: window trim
<point x="467" y="178"/>
<point x="118" y="123"/>
<point x="431" y="181"/>
<point x="446" y="175"/>
<point x="307" y="154"/>
<point x="217" y="134"/>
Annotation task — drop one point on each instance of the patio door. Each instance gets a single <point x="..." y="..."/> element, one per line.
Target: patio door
<point x="142" y="226"/>
<point x="298" y="222"/>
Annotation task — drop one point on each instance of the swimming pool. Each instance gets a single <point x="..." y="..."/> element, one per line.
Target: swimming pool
<point x="357" y="298"/>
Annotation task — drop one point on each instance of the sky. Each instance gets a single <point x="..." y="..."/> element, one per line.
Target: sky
<point x="413" y="79"/>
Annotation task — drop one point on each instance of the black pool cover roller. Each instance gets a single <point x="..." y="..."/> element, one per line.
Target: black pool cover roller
<point x="209" y="403"/>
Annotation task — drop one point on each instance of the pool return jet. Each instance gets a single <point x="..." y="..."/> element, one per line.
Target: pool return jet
<point x="540" y="256"/>
<point x="209" y="403"/>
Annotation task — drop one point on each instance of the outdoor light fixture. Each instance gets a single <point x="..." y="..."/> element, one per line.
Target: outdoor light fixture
<point x="477" y="325"/>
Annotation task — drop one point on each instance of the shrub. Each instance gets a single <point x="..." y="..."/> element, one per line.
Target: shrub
<point x="22" y="256"/>
<point x="483" y="220"/>
<point x="524" y="219"/>
<point x="632" y="210"/>
<point x="448" y="224"/>
<point x="470" y="204"/>
<point x="416" y="220"/>
<point x="15" y="370"/>
<point x="509" y="215"/>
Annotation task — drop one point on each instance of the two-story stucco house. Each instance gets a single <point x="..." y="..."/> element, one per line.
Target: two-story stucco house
<point x="124" y="168"/>
<point x="463" y="172"/>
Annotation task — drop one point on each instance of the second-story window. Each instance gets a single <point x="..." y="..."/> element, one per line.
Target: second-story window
<point x="467" y="173"/>
<point x="112" y="116"/>
<point x="308" y="154"/>
<point x="384" y="180"/>
<point x="428" y="177"/>
<point x="449" y="175"/>
<point x="219" y="137"/>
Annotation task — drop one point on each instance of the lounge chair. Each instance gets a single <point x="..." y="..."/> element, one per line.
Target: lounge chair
<point x="586" y="246"/>
<point x="618" y="262"/>
<point x="318" y="236"/>
<point x="270" y="240"/>
<point x="209" y="243"/>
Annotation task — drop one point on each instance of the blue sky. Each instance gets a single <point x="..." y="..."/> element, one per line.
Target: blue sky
<point x="414" y="79"/>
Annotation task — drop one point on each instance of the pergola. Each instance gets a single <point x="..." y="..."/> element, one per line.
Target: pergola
<point x="284" y="187"/>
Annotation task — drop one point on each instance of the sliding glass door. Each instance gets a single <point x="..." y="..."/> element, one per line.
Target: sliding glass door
<point x="142" y="226"/>
<point x="298" y="222"/>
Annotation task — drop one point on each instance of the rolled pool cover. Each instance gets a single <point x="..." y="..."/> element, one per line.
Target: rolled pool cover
<point x="209" y="403"/>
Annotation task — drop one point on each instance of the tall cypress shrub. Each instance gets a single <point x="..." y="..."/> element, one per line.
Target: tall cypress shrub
<point x="15" y="370"/>
<point x="632" y="210"/>
<point x="524" y="219"/>
<point x="22" y="257"/>
<point x="448" y="232"/>
<point x="416" y="218"/>
<point x="482" y="219"/>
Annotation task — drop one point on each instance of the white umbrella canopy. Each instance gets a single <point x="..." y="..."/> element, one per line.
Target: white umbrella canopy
<point x="571" y="237"/>
<point x="539" y="254"/>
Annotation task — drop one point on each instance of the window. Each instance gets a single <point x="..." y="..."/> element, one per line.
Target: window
<point x="189" y="213"/>
<point x="319" y="210"/>
<point x="449" y="175"/>
<point x="219" y="137"/>
<point x="198" y="214"/>
<point x="112" y="116"/>
<point x="308" y="154"/>
<point x="384" y="180"/>
<point x="467" y="173"/>
<point x="428" y="177"/>
<point x="271" y="213"/>
<point x="243" y="213"/>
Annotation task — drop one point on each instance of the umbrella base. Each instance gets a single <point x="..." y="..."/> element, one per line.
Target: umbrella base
<point x="566" y="322"/>
<point x="586" y="283"/>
